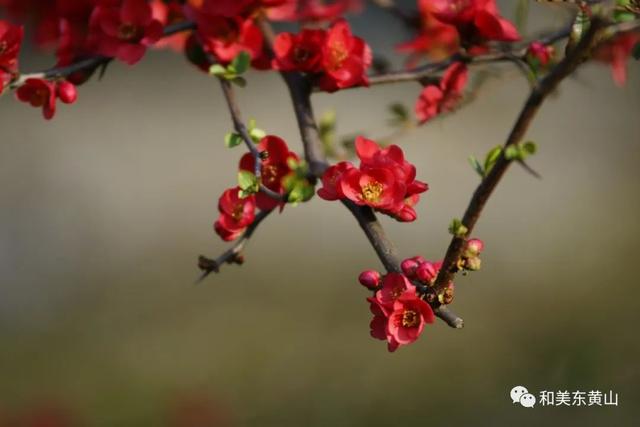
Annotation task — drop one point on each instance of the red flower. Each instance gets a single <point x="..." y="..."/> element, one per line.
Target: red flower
<point x="313" y="10"/>
<point x="345" y="59"/>
<point x="616" y="53"/>
<point x="235" y="214"/>
<point x="407" y="319"/>
<point x="331" y="181"/>
<point x="385" y="181"/>
<point x="299" y="52"/>
<point x="370" y="279"/>
<point x="225" y="34"/>
<point x="170" y="12"/>
<point x="10" y="41"/>
<point x="377" y="188"/>
<point x="43" y="93"/>
<point x="436" y="40"/>
<point x="477" y="21"/>
<point x="434" y="100"/>
<point x="394" y="285"/>
<point x="125" y="31"/>
<point x="273" y="169"/>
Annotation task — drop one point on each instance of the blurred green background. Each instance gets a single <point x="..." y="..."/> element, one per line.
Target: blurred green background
<point x="105" y="209"/>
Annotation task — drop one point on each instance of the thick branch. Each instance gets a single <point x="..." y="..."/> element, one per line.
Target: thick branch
<point x="489" y="183"/>
<point x="234" y="254"/>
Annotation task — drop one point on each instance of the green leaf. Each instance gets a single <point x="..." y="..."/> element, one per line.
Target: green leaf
<point x="530" y="147"/>
<point x="457" y="228"/>
<point x="217" y="70"/>
<point x="491" y="158"/>
<point x="400" y="114"/>
<point x="248" y="182"/>
<point x="239" y="81"/>
<point x="240" y="64"/>
<point x="512" y="152"/>
<point x="475" y="164"/>
<point x="232" y="139"/>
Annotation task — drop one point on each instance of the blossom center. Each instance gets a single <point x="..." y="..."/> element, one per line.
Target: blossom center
<point x="372" y="191"/>
<point x="238" y="210"/>
<point x="270" y="173"/>
<point x="301" y="54"/>
<point x="410" y="319"/>
<point x="127" y="31"/>
<point x="338" y="53"/>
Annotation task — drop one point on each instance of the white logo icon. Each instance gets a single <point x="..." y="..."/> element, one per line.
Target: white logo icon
<point x="517" y="392"/>
<point x="528" y="400"/>
<point x="521" y="395"/>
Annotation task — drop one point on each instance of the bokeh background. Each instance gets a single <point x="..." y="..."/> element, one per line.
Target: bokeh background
<point x="105" y="209"/>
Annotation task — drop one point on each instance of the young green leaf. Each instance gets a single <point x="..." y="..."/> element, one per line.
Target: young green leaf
<point x="232" y="139"/>
<point x="217" y="70"/>
<point x="475" y="164"/>
<point x="238" y="81"/>
<point x="491" y="158"/>
<point x="240" y="64"/>
<point x="248" y="182"/>
<point x="457" y="228"/>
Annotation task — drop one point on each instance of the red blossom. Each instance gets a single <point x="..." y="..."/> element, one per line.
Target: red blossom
<point x="370" y="279"/>
<point x="225" y="36"/>
<point x="616" y="53"/>
<point x="435" y="41"/>
<point x="477" y="21"/>
<point x="170" y="12"/>
<point x="42" y="93"/>
<point x="236" y="214"/>
<point x="299" y="52"/>
<point x="331" y="179"/>
<point x="384" y="181"/>
<point x="313" y="10"/>
<point x="125" y="31"/>
<point x="393" y="286"/>
<point x="274" y="168"/>
<point x="407" y="319"/>
<point x="434" y="100"/>
<point x="345" y="59"/>
<point x="539" y="54"/>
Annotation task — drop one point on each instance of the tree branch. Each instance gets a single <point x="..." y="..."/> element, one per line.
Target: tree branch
<point x="299" y="88"/>
<point x="522" y="124"/>
<point x="93" y="62"/>
<point x="234" y="254"/>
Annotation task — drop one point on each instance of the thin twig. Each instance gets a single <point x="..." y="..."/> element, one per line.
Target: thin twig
<point x="93" y="62"/>
<point x="241" y="129"/>
<point x="233" y="255"/>
<point x="480" y="197"/>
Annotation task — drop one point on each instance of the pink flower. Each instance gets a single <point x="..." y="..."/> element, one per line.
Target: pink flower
<point x="393" y="286"/>
<point x="407" y="319"/>
<point x="370" y="279"/>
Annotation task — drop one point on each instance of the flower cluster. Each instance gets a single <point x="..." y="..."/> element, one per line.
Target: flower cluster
<point x="400" y="304"/>
<point x="470" y="259"/>
<point x="336" y="57"/>
<point x="237" y="205"/>
<point x="384" y="181"/>
<point x="41" y="93"/>
<point x="444" y="97"/>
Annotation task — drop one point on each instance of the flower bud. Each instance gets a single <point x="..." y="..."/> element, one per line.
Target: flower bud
<point x="426" y="273"/>
<point x="369" y="279"/>
<point x="409" y="267"/>
<point x="473" y="264"/>
<point x="446" y="296"/>
<point x="473" y="248"/>
<point x="66" y="92"/>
